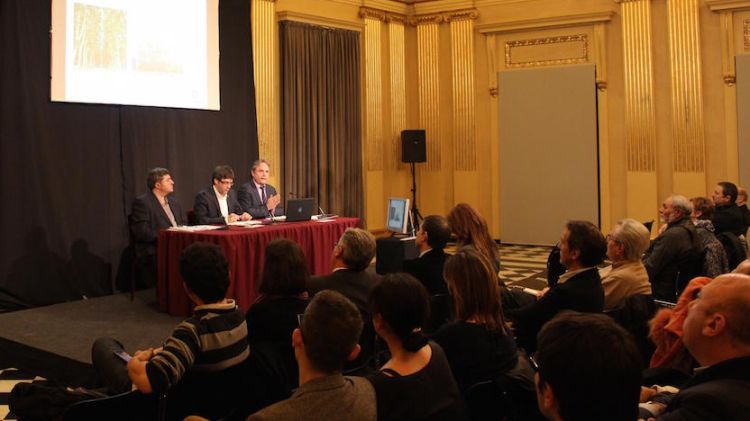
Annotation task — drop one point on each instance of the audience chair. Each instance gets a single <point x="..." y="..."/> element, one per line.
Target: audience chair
<point x="633" y="315"/>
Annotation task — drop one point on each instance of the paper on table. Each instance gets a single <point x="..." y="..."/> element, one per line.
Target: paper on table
<point x="194" y="228"/>
<point x="246" y="223"/>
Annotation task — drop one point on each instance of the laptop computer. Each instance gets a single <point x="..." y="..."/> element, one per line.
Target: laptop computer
<point x="299" y="209"/>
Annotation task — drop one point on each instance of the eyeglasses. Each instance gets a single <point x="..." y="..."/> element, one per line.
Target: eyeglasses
<point x="533" y="363"/>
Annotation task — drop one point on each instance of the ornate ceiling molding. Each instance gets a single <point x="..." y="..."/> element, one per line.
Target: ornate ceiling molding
<point x="444" y="17"/>
<point x="368" y="12"/>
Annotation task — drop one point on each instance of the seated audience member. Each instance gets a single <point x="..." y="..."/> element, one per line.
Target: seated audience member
<point x="727" y="216"/>
<point x="470" y="229"/>
<point x="582" y="248"/>
<point x="627" y="276"/>
<point x="717" y="334"/>
<point x="350" y="260"/>
<point x="432" y="237"/>
<point x="273" y="317"/>
<point x="742" y="204"/>
<point x="214" y="338"/>
<point x="257" y="197"/>
<point x="479" y="346"/>
<point x="325" y="340"/>
<point x="677" y="247"/>
<point x="715" y="260"/>
<point x="151" y="213"/>
<point x="218" y="203"/>
<point x="588" y="369"/>
<point x="416" y="383"/>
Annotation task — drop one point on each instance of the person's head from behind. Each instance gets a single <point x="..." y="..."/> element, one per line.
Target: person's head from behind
<point x="355" y="249"/>
<point x="589" y="368"/>
<point x="434" y="233"/>
<point x="717" y="326"/>
<point x="285" y="271"/>
<point x="160" y="181"/>
<point x="399" y="305"/>
<point x="628" y="241"/>
<point x="474" y="287"/>
<point x="741" y="196"/>
<point x="675" y="208"/>
<point x="205" y="273"/>
<point x="582" y="245"/>
<point x="328" y="333"/>
<point x="703" y="208"/>
<point x="223" y="179"/>
<point x="725" y="193"/>
<point x="470" y="228"/>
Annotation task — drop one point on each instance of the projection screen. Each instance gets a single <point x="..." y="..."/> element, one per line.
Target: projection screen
<point x="161" y="53"/>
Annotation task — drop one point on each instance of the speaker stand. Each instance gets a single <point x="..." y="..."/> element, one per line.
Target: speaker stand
<point x="416" y="217"/>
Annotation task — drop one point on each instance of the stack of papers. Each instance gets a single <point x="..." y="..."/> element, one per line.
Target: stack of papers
<point x="193" y="228"/>
<point x="249" y="224"/>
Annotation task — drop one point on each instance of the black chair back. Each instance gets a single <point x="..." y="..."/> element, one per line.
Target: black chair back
<point x="633" y="315"/>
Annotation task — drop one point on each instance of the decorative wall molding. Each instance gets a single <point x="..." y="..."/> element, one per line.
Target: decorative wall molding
<point x="466" y="14"/>
<point x="686" y="86"/>
<point x="547" y="22"/>
<point x="397" y="74"/>
<point x="746" y="34"/>
<point x="373" y="93"/>
<point x="429" y="92"/>
<point x="320" y="20"/>
<point x="735" y="5"/>
<point x="640" y="115"/>
<point x="265" y="55"/>
<point x="463" y="104"/>
<point x="385" y="16"/>
<point x="578" y="42"/>
<point x="438" y="6"/>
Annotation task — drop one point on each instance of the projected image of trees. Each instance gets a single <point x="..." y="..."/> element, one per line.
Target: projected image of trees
<point x="100" y="40"/>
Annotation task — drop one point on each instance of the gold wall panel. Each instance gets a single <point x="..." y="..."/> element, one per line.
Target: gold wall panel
<point x="687" y="92"/>
<point x="429" y="91"/>
<point x="746" y="34"/>
<point x="265" y="57"/>
<point x="397" y="73"/>
<point x="462" y="63"/>
<point x="373" y="94"/>
<point x="567" y="49"/>
<point x="640" y="129"/>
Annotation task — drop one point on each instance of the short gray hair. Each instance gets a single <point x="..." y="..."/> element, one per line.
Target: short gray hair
<point x="633" y="236"/>
<point x="682" y="204"/>
<point x="358" y="248"/>
<point x="257" y="163"/>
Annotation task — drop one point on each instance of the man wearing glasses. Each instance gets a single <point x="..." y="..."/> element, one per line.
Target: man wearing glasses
<point x="218" y="203"/>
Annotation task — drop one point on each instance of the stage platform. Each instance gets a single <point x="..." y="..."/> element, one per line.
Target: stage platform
<point x="55" y="341"/>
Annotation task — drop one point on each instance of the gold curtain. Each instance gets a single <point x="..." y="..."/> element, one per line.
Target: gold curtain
<point x="320" y="112"/>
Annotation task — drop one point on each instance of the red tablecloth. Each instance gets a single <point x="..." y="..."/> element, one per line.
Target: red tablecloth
<point x="244" y="249"/>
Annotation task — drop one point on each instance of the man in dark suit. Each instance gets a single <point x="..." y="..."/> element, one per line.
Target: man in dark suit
<point x="716" y="333"/>
<point x="582" y="248"/>
<point x="257" y="197"/>
<point x="742" y="204"/>
<point x="152" y="212"/>
<point x="351" y="257"/>
<point x="727" y="216"/>
<point x="218" y="204"/>
<point x="432" y="237"/>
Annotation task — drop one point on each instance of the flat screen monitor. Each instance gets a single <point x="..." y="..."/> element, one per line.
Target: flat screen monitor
<point x="398" y="215"/>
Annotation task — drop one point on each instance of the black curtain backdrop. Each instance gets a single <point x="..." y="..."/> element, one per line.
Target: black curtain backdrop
<point x="69" y="172"/>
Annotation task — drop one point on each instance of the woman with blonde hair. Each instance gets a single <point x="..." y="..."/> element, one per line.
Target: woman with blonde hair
<point x="627" y="276"/>
<point x="471" y="231"/>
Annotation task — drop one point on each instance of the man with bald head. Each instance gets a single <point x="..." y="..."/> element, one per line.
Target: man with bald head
<point x="717" y="334"/>
<point x="674" y="249"/>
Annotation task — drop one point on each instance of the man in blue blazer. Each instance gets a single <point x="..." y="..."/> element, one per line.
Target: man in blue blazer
<point x="218" y="203"/>
<point x="257" y="197"/>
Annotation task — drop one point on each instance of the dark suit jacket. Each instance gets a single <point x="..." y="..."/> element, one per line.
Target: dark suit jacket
<point x="207" y="210"/>
<point x="148" y="218"/>
<point x="729" y="218"/>
<point x="356" y="286"/>
<point x="583" y="292"/>
<point x="251" y="202"/>
<point x="428" y="269"/>
<point x="667" y="255"/>
<point x="720" y="392"/>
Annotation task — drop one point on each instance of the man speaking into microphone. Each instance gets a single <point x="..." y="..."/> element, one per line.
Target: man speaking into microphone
<point x="257" y="197"/>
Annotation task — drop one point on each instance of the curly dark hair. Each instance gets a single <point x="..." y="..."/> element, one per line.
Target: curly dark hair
<point x="205" y="271"/>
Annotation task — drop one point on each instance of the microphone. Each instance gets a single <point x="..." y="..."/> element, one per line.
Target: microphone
<point x="322" y="213"/>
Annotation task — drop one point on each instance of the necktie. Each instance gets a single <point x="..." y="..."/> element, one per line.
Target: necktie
<point x="263" y="197"/>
